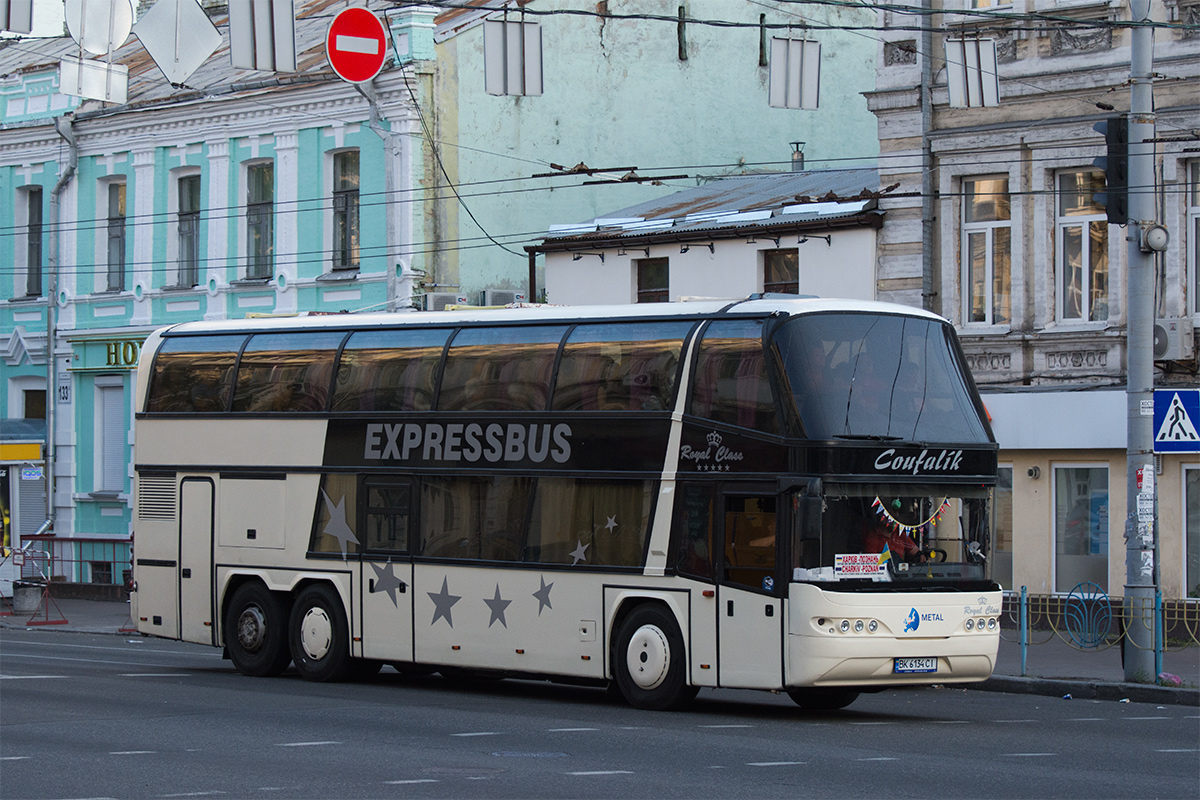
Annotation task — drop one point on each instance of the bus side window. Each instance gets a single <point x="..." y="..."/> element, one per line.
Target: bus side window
<point x="731" y="384"/>
<point x="193" y="374"/>
<point x="474" y="518"/>
<point x="334" y="523"/>
<point x="390" y="370"/>
<point x="499" y="369"/>
<point x="286" y="373"/>
<point x="620" y="367"/>
<point x="749" y="540"/>
<point x="582" y="522"/>
<point x="387" y="515"/>
<point x="693" y="532"/>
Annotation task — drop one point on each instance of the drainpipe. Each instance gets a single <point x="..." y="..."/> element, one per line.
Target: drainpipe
<point x="928" y="208"/>
<point x="67" y="133"/>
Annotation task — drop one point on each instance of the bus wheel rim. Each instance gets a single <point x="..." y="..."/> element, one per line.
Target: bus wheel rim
<point x="251" y="629"/>
<point x="316" y="633"/>
<point x="648" y="657"/>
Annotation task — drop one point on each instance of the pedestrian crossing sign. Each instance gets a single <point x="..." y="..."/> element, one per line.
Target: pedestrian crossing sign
<point x="1177" y="420"/>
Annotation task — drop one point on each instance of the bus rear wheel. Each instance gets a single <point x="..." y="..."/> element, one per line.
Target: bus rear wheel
<point x="318" y="636"/>
<point x="255" y="631"/>
<point x="649" y="660"/>
<point x="822" y="698"/>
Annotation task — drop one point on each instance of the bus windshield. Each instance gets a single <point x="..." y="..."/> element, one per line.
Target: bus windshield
<point x="928" y="535"/>
<point x="877" y="376"/>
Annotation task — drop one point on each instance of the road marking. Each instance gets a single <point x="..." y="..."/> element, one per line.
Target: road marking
<point x="304" y="744"/>
<point x="775" y="763"/>
<point x="1129" y="718"/>
<point x="1085" y="719"/>
<point x="14" y="758"/>
<point x="949" y="722"/>
<point x="726" y="726"/>
<point x="603" y="772"/>
<point x="570" y="730"/>
<point x="1029" y="755"/>
<point x="478" y="733"/>
<point x="878" y="758"/>
<point x="196" y="794"/>
<point x="1014" y="720"/>
<point x="1193" y="750"/>
<point x="131" y="752"/>
<point x="870" y="723"/>
<point x="29" y="677"/>
<point x="406" y="783"/>
<point x="155" y="675"/>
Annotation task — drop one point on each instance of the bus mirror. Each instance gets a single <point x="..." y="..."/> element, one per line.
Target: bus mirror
<point x="809" y="512"/>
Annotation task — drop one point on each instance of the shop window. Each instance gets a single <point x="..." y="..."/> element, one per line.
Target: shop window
<point x="1081" y="526"/>
<point x="1002" y="528"/>
<point x="1191" y="490"/>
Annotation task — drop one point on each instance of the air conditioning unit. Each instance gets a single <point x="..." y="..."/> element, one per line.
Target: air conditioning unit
<point x="1173" y="339"/>
<point x="437" y="301"/>
<point x="500" y="297"/>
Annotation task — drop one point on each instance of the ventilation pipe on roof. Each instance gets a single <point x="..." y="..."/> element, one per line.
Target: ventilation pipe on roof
<point x="797" y="156"/>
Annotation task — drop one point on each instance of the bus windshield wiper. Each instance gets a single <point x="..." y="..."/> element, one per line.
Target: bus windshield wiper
<point x="870" y="437"/>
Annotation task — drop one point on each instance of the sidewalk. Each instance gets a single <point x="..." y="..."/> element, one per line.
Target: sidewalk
<point x="1053" y="667"/>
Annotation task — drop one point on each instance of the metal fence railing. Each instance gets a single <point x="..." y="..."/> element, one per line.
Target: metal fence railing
<point x="76" y="559"/>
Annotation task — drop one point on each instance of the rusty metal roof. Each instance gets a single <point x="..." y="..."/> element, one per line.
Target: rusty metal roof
<point x="734" y="205"/>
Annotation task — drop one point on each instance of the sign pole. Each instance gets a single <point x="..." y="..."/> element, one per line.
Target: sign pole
<point x="1141" y="571"/>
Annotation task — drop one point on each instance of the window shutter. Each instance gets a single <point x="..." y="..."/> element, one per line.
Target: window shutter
<point x="113" y="435"/>
<point x="795" y="73"/>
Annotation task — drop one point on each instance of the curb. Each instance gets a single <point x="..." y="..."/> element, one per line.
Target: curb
<point x="1082" y="689"/>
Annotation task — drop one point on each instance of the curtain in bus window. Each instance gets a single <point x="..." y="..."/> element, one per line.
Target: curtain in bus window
<point x="499" y="369"/>
<point x="387" y="515"/>
<point x="193" y="374"/>
<point x="620" y="367"/>
<point x="861" y="375"/>
<point x="749" y="540"/>
<point x="336" y="519"/>
<point x="390" y="370"/>
<point x="286" y="372"/>
<point x="475" y="518"/>
<point x="589" y="522"/>
<point x="730" y="384"/>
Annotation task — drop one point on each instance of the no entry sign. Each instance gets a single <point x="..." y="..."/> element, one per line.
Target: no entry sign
<point x="356" y="45"/>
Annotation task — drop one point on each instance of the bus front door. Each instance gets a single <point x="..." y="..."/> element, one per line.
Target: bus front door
<point x="386" y="578"/>
<point x="749" y="608"/>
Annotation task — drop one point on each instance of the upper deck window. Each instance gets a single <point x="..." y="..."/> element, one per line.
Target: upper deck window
<point x="620" y="367"/>
<point x="389" y="370"/>
<point x="194" y="374"/>
<point x="286" y="372"/>
<point x="500" y="369"/>
<point x="868" y="375"/>
<point x="731" y="383"/>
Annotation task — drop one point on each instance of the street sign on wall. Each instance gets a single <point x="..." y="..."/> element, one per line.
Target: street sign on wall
<point x="356" y="45"/>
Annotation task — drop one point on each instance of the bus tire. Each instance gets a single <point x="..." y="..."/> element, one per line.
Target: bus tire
<point x="823" y="698"/>
<point x="256" y="631"/>
<point x="649" y="660"/>
<point x="318" y="637"/>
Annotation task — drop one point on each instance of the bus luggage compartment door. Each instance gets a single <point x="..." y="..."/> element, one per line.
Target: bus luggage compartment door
<point x="197" y="622"/>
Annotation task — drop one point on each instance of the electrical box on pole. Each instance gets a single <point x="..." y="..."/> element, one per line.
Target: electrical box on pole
<point x="1115" y="163"/>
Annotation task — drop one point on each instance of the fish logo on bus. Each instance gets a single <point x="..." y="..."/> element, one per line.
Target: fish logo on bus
<point x="913" y="622"/>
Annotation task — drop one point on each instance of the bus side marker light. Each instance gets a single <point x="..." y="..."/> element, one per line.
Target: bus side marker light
<point x="586" y="658"/>
<point x="455" y="647"/>
<point x="207" y="624"/>
<point x="520" y="651"/>
<point x="705" y="666"/>
<point x="709" y="593"/>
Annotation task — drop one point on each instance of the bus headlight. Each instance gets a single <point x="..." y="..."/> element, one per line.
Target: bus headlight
<point x="991" y="624"/>
<point x="872" y="626"/>
<point x="858" y="626"/>
<point x="845" y="626"/>
<point x="970" y="624"/>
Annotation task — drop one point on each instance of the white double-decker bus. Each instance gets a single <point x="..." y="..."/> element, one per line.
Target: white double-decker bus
<point x="777" y="494"/>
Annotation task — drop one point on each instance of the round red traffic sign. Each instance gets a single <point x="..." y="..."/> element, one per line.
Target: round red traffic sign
<point x="356" y="45"/>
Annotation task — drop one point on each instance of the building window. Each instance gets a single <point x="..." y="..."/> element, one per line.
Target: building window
<point x="116" y="236"/>
<point x="781" y="271"/>
<point x="1082" y="233"/>
<point x="987" y="251"/>
<point x="260" y="220"/>
<point x="1191" y="533"/>
<point x="512" y="57"/>
<point x="1192" y="236"/>
<point x="33" y="241"/>
<point x="1080" y="526"/>
<point x="345" y="210"/>
<point x="35" y="404"/>
<point x="1002" y="528"/>
<point x="113" y="435"/>
<point x="652" y="280"/>
<point x="188" y="228"/>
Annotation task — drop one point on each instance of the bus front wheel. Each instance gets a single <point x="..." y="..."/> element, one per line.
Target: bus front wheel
<point x="822" y="699"/>
<point x="256" y="631"/>
<point x="318" y="637"/>
<point x="649" y="661"/>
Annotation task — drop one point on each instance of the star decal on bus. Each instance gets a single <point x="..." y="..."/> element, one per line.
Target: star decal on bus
<point x="443" y="601"/>
<point x="612" y="523"/>
<point x="497" y="605"/>
<point x="337" y="527"/>
<point x="579" y="553"/>
<point x="543" y="595"/>
<point x="386" y="581"/>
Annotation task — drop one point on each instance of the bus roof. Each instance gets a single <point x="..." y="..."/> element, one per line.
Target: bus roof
<point x="764" y="306"/>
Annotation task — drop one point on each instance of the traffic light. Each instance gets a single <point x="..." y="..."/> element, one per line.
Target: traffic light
<point x="1115" y="163"/>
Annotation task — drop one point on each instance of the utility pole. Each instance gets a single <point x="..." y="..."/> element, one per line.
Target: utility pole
<point x="1140" y="569"/>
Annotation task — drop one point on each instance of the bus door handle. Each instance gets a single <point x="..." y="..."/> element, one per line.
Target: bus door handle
<point x="185" y="573"/>
<point x="402" y="588"/>
<point x="729" y="608"/>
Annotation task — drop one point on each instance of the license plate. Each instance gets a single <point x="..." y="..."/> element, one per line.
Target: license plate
<point x="909" y="665"/>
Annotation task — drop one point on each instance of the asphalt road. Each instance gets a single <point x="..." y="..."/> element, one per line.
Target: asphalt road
<point x="101" y="716"/>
